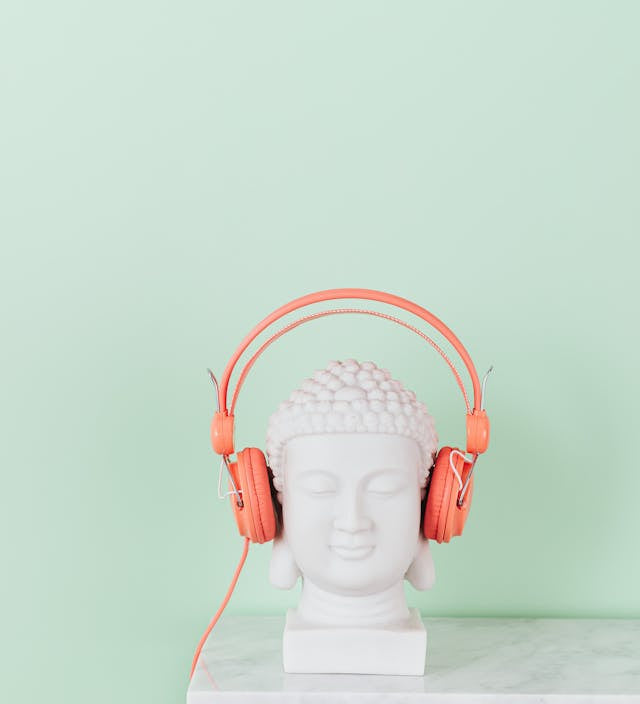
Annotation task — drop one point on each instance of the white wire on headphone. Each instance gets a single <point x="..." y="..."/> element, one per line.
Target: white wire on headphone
<point x="234" y="490"/>
<point x="453" y="469"/>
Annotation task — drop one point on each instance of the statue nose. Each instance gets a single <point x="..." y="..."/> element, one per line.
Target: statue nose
<point x="350" y="517"/>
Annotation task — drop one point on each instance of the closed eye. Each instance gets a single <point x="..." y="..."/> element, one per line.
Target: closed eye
<point x="386" y="484"/>
<point x="318" y="483"/>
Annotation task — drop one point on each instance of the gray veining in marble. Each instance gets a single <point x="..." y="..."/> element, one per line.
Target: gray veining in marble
<point x="468" y="660"/>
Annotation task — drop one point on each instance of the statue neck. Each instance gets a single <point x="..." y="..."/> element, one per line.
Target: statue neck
<point x="384" y="608"/>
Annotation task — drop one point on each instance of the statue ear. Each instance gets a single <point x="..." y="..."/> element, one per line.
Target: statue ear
<point x="421" y="573"/>
<point x="283" y="570"/>
<point x="276" y="500"/>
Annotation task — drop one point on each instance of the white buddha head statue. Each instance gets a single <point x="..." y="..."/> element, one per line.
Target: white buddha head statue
<point x="350" y="453"/>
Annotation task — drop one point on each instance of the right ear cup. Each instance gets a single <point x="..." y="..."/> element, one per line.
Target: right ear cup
<point x="256" y="518"/>
<point x="443" y="518"/>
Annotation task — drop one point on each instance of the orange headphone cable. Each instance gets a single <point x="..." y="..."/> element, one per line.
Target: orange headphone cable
<point x="214" y="620"/>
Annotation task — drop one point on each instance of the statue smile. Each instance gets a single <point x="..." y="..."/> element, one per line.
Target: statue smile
<point x="354" y="552"/>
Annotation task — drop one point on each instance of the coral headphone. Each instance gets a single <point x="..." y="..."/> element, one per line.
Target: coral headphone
<point x="451" y="482"/>
<point x="451" y="485"/>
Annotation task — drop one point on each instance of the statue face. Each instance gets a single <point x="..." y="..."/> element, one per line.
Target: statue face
<point x="351" y="509"/>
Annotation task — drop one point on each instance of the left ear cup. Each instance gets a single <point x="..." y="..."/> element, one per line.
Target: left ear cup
<point x="256" y="518"/>
<point x="443" y="518"/>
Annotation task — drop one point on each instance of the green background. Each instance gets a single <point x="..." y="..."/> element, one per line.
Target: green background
<point x="172" y="172"/>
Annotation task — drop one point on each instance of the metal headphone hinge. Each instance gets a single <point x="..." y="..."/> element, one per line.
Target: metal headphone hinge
<point x="484" y="383"/>
<point x="212" y="376"/>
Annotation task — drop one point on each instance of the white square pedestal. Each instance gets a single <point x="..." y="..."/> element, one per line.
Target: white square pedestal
<point x="310" y="649"/>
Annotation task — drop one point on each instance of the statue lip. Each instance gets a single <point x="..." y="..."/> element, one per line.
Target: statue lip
<point x="354" y="552"/>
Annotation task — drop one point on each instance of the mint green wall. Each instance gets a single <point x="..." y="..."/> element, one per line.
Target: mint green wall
<point x="173" y="172"/>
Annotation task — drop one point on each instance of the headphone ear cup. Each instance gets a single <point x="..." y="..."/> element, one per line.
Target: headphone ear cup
<point x="256" y="518"/>
<point x="443" y="518"/>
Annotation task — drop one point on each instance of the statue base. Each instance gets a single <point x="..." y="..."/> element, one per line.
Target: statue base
<point x="392" y="650"/>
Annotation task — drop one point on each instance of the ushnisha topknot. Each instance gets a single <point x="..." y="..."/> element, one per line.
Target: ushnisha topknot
<point x="350" y="397"/>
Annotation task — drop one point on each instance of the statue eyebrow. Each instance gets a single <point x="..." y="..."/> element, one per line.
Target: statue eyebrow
<point x="389" y="469"/>
<point x="387" y="472"/>
<point x="315" y="471"/>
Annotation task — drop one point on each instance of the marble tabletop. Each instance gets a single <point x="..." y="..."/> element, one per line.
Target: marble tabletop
<point x="473" y="660"/>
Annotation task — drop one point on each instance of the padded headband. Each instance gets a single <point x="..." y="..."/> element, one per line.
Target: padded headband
<point x="337" y="311"/>
<point x="477" y="422"/>
<point x="353" y="293"/>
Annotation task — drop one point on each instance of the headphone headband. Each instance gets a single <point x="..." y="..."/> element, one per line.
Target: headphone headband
<point x="477" y="421"/>
<point x="340" y="311"/>
<point x="353" y="293"/>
